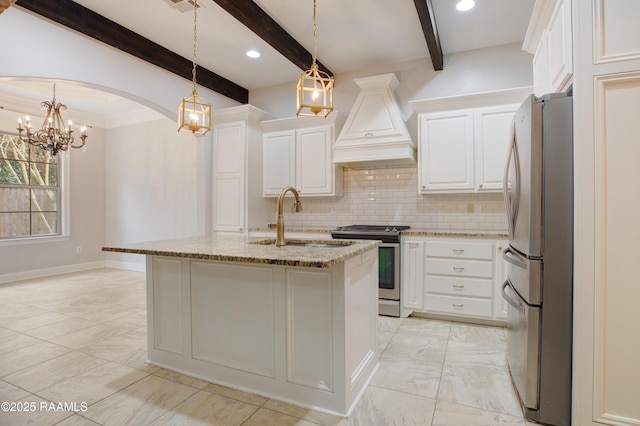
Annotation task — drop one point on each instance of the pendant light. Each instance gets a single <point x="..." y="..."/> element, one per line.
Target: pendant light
<point x="315" y="87"/>
<point x="194" y="114"/>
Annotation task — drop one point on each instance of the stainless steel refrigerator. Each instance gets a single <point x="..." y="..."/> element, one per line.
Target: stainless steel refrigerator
<point x="538" y="193"/>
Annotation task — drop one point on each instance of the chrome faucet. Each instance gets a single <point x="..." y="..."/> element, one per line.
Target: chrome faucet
<point x="280" y="218"/>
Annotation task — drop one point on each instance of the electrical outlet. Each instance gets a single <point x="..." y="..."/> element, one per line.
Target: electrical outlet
<point x="471" y="208"/>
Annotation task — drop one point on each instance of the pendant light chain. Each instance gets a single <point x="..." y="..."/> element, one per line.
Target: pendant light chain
<point x="195" y="39"/>
<point x="315" y="44"/>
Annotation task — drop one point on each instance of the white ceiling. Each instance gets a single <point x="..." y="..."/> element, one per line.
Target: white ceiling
<point x="351" y="35"/>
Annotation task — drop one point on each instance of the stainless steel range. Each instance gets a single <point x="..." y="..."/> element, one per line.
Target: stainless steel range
<point x="388" y="261"/>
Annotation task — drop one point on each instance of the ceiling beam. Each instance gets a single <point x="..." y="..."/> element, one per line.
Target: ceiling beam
<point x="428" y="23"/>
<point x="257" y="20"/>
<point x="89" y="23"/>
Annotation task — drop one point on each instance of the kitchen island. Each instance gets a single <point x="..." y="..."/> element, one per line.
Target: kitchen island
<point x="296" y="323"/>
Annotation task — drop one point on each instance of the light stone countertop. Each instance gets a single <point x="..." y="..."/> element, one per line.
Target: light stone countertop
<point x="239" y="248"/>
<point x="465" y="233"/>
<point x="412" y="232"/>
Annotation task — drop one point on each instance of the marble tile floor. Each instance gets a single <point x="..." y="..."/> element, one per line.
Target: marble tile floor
<point x="80" y="340"/>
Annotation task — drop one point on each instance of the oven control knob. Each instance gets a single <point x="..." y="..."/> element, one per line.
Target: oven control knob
<point x="394" y="230"/>
<point x="387" y="230"/>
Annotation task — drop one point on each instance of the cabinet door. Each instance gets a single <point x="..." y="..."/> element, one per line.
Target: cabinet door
<point x="559" y="49"/>
<point x="541" y="84"/>
<point x="446" y="152"/>
<point x="313" y="161"/>
<point x="492" y="127"/>
<point x="229" y="141"/>
<point x="499" y="304"/>
<point x="278" y="162"/>
<point x="412" y="281"/>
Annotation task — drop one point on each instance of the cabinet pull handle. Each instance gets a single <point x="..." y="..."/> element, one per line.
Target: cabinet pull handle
<point x="458" y="286"/>
<point x="458" y="251"/>
<point x="413" y="244"/>
<point x="368" y="135"/>
<point x="457" y="305"/>
<point x="458" y="268"/>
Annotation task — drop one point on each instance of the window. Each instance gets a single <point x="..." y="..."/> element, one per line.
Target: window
<point x="30" y="190"/>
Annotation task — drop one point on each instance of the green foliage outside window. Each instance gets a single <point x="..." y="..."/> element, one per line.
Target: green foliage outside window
<point x="29" y="190"/>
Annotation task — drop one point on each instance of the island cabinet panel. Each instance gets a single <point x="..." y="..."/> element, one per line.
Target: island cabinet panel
<point x="298" y="334"/>
<point x="309" y="333"/>
<point x="167" y="302"/>
<point x="362" y="331"/>
<point x="232" y="316"/>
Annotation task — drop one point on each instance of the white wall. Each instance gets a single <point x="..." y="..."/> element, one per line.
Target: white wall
<point x="87" y="216"/>
<point x="154" y="188"/>
<point x="137" y="162"/>
<point x="474" y="71"/>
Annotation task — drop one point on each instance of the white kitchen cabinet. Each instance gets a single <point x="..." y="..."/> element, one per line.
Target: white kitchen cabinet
<point x="237" y="201"/>
<point x="549" y="40"/>
<point x="298" y="153"/>
<point x="453" y="278"/>
<point x="492" y="131"/>
<point x="412" y="276"/>
<point x="500" y="310"/>
<point x="459" y="278"/>
<point x="464" y="150"/>
<point x="445" y="150"/>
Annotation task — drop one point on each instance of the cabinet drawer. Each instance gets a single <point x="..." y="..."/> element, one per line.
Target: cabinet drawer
<point x="459" y="286"/>
<point x="460" y="250"/>
<point x="458" y="305"/>
<point x="464" y="268"/>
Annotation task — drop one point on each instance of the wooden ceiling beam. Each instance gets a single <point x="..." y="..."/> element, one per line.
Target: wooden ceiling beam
<point x="89" y="23"/>
<point x="258" y="21"/>
<point x="428" y="23"/>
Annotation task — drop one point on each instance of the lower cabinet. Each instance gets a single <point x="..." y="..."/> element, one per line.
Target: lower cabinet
<point x="456" y="277"/>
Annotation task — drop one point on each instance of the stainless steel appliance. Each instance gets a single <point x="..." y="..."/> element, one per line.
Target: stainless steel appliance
<point x="538" y="193"/>
<point x="388" y="261"/>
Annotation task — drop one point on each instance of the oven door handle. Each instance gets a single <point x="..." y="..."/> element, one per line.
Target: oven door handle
<point x="510" y="300"/>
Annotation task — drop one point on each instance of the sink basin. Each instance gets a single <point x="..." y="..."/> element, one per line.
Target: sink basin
<point x="306" y="243"/>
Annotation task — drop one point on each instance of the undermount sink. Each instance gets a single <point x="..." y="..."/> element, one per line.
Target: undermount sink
<point x="306" y="243"/>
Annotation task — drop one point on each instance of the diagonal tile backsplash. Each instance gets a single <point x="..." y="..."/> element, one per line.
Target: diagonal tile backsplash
<point x="389" y="195"/>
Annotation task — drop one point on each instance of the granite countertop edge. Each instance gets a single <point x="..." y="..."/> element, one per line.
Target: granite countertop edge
<point x="243" y="249"/>
<point x="428" y="232"/>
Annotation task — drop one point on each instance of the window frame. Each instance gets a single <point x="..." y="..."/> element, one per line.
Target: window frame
<point x="64" y="205"/>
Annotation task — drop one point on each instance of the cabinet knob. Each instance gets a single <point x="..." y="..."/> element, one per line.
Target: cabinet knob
<point x="424" y="187"/>
<point x="458" y="268"/>
<point x="480" y="186"/>
<point x="499" y="248"/>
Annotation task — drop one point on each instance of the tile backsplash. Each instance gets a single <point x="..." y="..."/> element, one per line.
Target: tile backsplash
<point x="389" y="195"/>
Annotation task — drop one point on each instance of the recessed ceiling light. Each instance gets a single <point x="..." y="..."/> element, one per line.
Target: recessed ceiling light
<point x="253" y="54"/>
<point x="464" y="5"/>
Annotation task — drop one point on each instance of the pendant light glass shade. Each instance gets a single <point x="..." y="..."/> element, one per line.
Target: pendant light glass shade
<point x="314" y="92"/>
<point x="194" y="114"/>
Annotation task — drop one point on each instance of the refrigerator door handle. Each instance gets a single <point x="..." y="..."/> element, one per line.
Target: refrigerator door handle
<point x="510" y="300"/>
<point x="512" y="205"/>
<point x="513" y="258"/>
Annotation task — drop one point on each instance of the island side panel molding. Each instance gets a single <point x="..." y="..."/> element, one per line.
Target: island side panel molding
<point x="361" y="284"/>
<point x="232" y="316"/>
<point x="309" y="317"/>
<point x="165" y="295"/>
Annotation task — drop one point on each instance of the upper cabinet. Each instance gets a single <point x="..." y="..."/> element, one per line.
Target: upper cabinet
<point x="463" y="140"/>
<point x="237" y="201"/>
<point x="548" y="38"/>
<point x="298" y="152"/>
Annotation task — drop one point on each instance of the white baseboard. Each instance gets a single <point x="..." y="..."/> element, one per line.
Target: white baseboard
<point x="130" y="266"/>
<point x="45" y="272"/>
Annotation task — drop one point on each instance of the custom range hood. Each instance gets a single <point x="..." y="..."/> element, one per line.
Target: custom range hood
<point x="375" y="133"/>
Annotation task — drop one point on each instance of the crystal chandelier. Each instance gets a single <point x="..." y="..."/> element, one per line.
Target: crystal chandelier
<point x="315" y="87"/>
<point x="53" y="135"/>
<point x="194" y="114"/>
